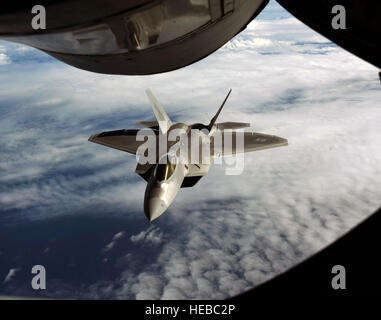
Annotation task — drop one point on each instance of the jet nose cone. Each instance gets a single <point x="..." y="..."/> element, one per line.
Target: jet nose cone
<point x="155" y="208"/>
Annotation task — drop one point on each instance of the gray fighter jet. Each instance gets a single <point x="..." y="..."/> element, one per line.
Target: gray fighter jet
<point x="188" y="152"/>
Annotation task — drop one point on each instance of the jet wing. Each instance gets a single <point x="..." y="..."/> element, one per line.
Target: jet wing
<point x="124" y="140"/>
<point x="252" y="141"/>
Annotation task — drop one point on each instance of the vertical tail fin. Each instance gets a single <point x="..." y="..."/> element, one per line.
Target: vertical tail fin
<point x="161" y="116"/>
<point x="218" y="112"/>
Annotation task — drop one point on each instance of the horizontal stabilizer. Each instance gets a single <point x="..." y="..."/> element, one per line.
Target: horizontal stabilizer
<point x="232" y="125"/>
<point x="148" y="124"/>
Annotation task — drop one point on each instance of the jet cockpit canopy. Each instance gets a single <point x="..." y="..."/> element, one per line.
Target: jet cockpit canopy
<point x="165" y="168"/>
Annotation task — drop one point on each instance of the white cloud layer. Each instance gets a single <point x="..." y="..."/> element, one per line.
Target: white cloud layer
<point x="11" y="274"/>
<point x="114" y="241"/>
<point x="151" y="236"/>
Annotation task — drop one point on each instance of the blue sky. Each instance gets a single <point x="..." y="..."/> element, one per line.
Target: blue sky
<point x="64" y="201"/>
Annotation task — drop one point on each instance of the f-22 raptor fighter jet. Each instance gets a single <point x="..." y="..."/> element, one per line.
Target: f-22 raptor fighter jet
<point x="175" y="155"/>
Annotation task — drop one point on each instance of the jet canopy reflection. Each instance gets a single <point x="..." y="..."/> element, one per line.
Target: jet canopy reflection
<point x="164" y="171"/>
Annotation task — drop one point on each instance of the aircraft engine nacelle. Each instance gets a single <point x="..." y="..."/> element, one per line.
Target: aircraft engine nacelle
<point x="133" y="37"/>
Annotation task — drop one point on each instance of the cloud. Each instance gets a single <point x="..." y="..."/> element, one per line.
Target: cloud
<point x="227" y="234"/>
<point x="11" y="274"/>
<point x="4" y="59"/>
<point x="114" y="241"/>
<point x="118" y="235"/>
<point x="151" y="236"/>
